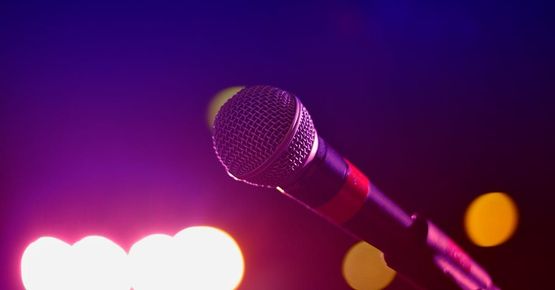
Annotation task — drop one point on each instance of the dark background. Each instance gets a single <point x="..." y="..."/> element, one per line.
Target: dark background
<point x="103" y="122"/>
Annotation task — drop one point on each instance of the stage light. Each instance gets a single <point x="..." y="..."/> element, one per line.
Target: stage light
<point x="92" y="263"/>
<point x="46" y="265"/>
<point x="491" y="219"/>
<point x="100" y="264"/>
<point x="218" y="100"/>
<point x="196" y="258"/>
<point x="213" y="260"/>
<point x="154" y="264"/>
<point x="364" y="268"/>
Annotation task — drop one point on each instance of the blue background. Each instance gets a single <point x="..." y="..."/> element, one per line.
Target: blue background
<point x="103" y="122"/>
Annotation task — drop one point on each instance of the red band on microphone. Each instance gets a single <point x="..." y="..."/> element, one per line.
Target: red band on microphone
<point x="350" y="199"/>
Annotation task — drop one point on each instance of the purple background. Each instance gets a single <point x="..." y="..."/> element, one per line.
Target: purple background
<point x="103" y="127"/>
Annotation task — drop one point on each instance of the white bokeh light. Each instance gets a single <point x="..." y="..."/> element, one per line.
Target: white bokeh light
<point x="154" y="264"/>
<point x="211" y="259"/>
<point x="100" y="264"/>
<point x="46" y="264"/>
<point x="196" y="258"/>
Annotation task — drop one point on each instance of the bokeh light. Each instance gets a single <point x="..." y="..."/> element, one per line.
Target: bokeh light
<point x="46" y="265"/>
<point x="196" y="258"/>
<point x="218" y="100"/>
<point x="364" y="268"/>
<point x="491" y="219"/>
<point x="90" y="264"/>
<point x="154" y="264"/>
<point x="100" y="264"/>
<point x="213" y="260"/>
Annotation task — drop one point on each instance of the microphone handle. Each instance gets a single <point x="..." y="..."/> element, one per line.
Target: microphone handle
<point x="417" y="249"/>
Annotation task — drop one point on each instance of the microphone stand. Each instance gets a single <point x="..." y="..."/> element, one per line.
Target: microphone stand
<point x="431" y="260"/>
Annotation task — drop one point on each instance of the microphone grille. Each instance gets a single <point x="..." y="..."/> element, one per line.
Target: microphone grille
<point x="263" y="135"/>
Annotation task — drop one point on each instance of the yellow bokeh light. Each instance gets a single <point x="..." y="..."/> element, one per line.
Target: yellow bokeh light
<point x="218" y="100"/>
<point x="491" y="219"/>
<point x="364" y="268"/>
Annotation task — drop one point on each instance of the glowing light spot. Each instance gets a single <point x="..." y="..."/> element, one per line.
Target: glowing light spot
<point x="364" y="268"/>
<point x="491" y="219"/>
<point x="218" y="100"/>
<point x="45" y="265"/>
<point x="100" y="264"/>
<point x="154" y="264"/>
<point x="195" y="258"/>
<point x="213" y="259"/>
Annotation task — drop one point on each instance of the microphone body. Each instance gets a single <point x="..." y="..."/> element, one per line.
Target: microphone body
<point x="338" y="191"/>
<point x="264" y="136"/>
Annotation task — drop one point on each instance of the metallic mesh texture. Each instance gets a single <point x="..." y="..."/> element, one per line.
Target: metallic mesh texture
<point x="253" y="137"/>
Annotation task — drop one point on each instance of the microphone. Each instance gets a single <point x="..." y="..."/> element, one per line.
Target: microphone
<point x="264" y="136"/>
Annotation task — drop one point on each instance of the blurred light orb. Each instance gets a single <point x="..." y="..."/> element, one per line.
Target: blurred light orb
<point x="491" y="219"/>
<point x="154" y="264"/>
<point x="46" y="265"/>
<point x="218" y="100"/>
<point x="364" y="268"/>
<point x="100" y="264"/>
<point x="211" y="259"/>
<point x="196" y="258"/>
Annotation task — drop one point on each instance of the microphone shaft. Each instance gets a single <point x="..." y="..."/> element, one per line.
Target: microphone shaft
<point x="417" y="249"/>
